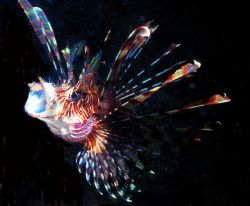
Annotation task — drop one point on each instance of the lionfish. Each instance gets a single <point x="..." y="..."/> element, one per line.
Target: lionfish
<point x="78" y="110"/>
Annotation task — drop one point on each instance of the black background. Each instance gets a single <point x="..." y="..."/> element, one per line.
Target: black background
<point x="33" y="170"/>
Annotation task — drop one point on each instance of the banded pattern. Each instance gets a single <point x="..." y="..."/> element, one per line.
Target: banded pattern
<point x="79" y="111"/>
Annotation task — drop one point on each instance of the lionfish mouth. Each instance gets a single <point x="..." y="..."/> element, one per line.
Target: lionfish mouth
<point x="38" y="96"/>
<point x="36" y="103"/>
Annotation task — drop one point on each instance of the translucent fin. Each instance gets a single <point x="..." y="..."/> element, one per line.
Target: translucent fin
<point x="77" y="50"/>
<point x="128" y="50"/>
<point x="44" y="33"/>
<point x="67" y="56"/>
<point x="104" y="165"/>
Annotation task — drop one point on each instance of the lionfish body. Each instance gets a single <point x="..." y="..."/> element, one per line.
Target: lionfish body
<point x="76" y="109"/>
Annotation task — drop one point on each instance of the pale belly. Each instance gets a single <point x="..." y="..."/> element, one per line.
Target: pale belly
<point x="75" y="131"/>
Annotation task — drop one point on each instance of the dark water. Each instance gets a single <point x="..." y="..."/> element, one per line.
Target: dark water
<point x="37" y="168"/>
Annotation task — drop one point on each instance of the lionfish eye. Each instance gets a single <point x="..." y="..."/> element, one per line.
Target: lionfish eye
<point x="74" y="96"/>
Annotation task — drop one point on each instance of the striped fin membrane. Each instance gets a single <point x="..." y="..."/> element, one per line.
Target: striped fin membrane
<point x="45" y="33"/>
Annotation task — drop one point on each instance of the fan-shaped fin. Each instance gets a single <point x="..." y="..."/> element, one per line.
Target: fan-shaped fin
<point x="129" y="49"/>
<point x="44" y="32"/>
